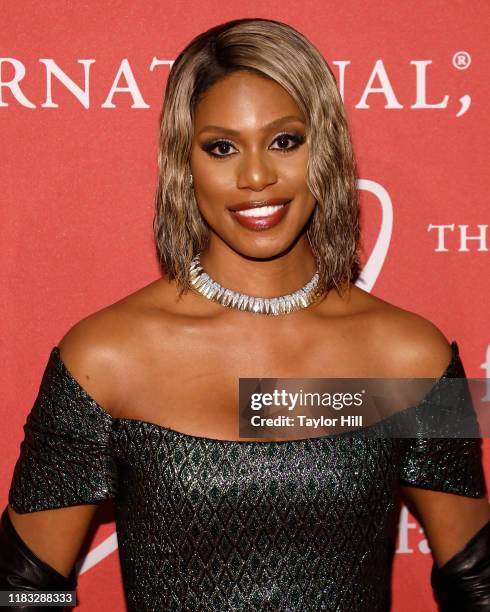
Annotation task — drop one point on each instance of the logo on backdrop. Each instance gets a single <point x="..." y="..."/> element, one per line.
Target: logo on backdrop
<point x="457" y="238"/>
<point x="124" y="87"/>
<point x="373" y="266"/>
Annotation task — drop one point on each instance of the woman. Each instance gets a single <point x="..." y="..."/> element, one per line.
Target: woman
<point x="138" y="402"/>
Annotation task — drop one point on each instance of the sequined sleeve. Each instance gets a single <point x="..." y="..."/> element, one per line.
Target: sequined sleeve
<point x="65" y="458"/>
<point x="453" y="464"/>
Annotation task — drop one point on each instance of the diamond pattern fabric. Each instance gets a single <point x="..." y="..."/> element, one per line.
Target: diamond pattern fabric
<point x="222" y="525"/>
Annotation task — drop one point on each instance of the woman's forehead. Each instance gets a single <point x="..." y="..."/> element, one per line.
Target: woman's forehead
<point x="246" y="100"/>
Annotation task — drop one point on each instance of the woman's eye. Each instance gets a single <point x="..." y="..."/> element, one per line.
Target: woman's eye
<point x="223" y="146"/>
<point x="296" y="140"/>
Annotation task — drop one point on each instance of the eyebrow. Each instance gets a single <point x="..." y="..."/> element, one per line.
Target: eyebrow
<point x="272" y="124"/>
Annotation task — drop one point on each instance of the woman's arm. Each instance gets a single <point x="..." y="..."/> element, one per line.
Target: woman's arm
<point x="65" y="468"/>
<point x="38" y="553"/>
<point x="55" y="536"/>
<point x="458" y="530"/>
<point x="442" y="479"/>
<point x="449" y="520"/>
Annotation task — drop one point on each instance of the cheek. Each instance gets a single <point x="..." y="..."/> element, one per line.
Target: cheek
<point x="302" y="175"/>
<point x="295" y="170"/>
<point x="212" y="180"/>
<point x="212" y="191"/>
<point x="296" y="178"/>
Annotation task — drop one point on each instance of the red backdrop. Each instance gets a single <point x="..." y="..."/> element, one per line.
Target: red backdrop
<point x="79" y="166"/>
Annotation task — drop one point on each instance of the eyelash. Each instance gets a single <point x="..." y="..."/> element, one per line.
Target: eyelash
<point x="298" y="140"/>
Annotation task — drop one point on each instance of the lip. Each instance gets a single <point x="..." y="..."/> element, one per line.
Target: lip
<point x="263" y="222"/>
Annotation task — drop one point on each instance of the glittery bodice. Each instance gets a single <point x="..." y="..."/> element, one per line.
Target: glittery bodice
<point x="206" y="524"/>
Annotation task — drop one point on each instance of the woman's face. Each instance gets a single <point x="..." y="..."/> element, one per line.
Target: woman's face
<point x="249" y="146"/>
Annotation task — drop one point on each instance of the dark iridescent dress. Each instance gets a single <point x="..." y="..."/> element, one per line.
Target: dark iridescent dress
<point x="207" y="524"/>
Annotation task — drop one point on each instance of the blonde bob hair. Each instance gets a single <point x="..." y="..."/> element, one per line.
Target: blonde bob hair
<point x="277" y="51"/>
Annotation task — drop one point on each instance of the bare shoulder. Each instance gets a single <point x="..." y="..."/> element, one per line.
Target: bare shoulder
<point x="91" y="351"/>
<point x="410" y="344"/>
<point x="101" y="349"/>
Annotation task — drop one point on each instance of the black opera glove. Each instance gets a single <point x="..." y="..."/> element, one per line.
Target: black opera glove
<point x="22" y="570"/>
<point x="462" y="584"/>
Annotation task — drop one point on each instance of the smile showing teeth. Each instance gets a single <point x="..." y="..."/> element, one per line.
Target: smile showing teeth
<point x="261" y="211"/>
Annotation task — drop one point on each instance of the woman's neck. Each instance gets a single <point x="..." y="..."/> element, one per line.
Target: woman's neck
<point x="260" y="277"/>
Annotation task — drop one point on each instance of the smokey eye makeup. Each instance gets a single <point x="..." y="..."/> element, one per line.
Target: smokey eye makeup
<point x="296" y="140"/>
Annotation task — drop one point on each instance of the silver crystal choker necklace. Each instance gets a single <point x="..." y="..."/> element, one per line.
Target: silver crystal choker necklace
<point x="284" y="304"/>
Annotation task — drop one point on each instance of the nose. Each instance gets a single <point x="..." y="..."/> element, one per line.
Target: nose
<point x="255" y="172"/>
